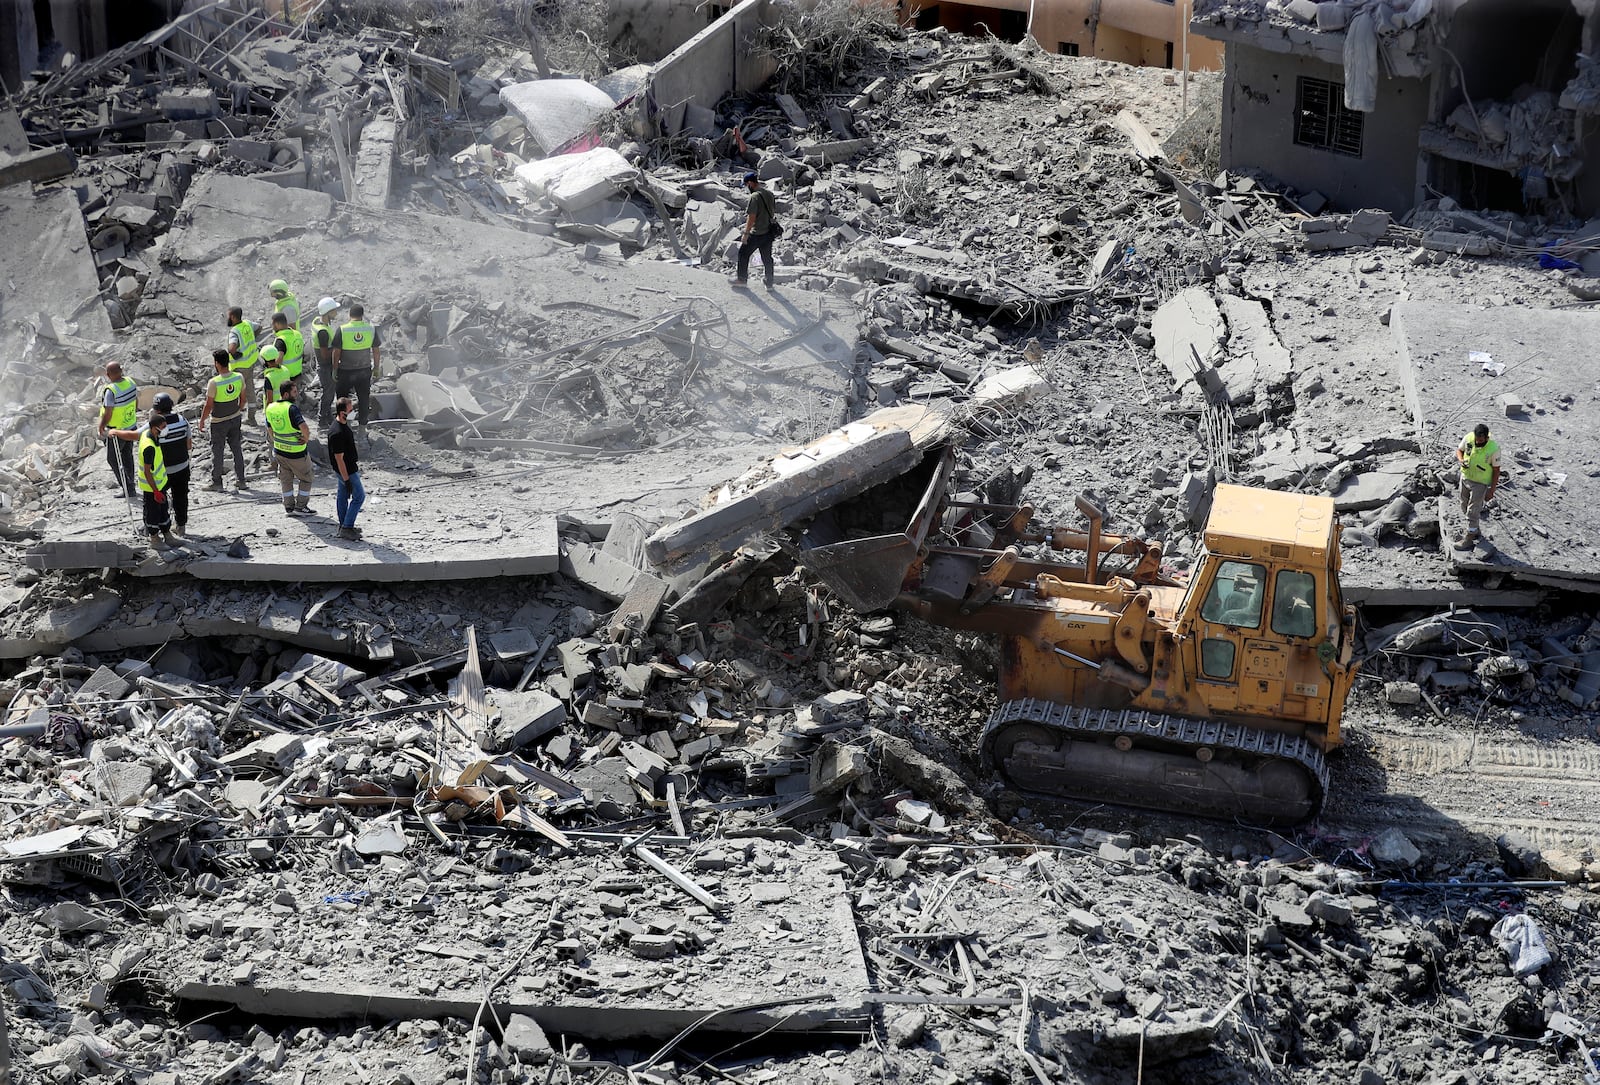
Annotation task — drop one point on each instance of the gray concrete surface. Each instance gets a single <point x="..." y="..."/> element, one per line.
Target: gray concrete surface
<point x="1540" y="524"/>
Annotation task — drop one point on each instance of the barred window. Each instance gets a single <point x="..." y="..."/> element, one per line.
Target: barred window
<point x="1322" y="121"/>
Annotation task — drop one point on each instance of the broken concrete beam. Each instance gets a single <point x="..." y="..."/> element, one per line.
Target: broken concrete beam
<point x="790" y="487"/>
<point x="526" y="717"/>
<point x="834" y="151"/>
<point x="430" y="399"/>
<point x="61" y="625"/>
<point x="374" y="165"/>
<point x="791" y="109"/>
<point x="188" y="104"/>
<point x="42" y="165"/>
<point x="575" y="181"/>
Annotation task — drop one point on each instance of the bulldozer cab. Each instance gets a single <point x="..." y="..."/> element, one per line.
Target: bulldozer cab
<point x="1269" y="634"/>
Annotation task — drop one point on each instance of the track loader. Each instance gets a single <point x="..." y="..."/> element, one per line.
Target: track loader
<point x="1217" y="694"/>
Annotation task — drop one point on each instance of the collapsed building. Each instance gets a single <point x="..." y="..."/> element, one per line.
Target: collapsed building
<point x="574" y="770"/>
<point x="1388" y="105"/>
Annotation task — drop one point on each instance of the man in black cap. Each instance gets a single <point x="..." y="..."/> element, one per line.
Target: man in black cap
<point x="760" y="230"/>
<point x="175" y="444"/>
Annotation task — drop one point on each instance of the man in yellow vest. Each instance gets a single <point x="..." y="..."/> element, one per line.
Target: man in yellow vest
<point x="1480" y="477"/>
<point x="224" y="409"/>
<point x="153" y="481"/>
<point x="274" y="376"/>
<point x="243" y="345"/>
<point x="291" y="345"/>
<point x="284" y="302"/>
<point x="357" y="356"/>
<point x="119" y="409"/>
<point x="291" y="438"/>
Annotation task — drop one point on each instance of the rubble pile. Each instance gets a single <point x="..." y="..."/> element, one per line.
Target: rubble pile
<point x="683" y="816"/>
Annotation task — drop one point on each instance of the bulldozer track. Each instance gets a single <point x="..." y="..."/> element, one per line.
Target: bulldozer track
<point x="1190" y="784"/>
<point x="1467" y="788"/>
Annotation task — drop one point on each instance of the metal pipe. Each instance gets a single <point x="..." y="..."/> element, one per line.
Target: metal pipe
<point x="24" y="730"/>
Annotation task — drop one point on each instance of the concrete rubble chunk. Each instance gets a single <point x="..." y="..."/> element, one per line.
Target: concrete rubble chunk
<point x="1189" y="324"/>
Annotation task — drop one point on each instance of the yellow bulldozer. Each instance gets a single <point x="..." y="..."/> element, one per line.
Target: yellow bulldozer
<point x="1217" y="693"/>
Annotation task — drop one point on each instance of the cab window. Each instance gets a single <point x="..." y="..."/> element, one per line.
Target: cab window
<point x="1236" y="595"/>
<point x="1294" y="608"/>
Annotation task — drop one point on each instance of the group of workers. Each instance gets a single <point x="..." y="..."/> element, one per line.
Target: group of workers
<point x="153" y="462"/>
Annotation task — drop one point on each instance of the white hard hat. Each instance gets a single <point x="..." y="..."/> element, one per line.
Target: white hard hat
<point x="326" y="306"/>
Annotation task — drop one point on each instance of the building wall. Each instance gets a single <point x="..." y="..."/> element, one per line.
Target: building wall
<point x="19" y="44"/>
<point x="1130" y="31"/>
<point x="715" y="62"/>
<point x="651" y="29"/>
<point x="1258" y="125"/>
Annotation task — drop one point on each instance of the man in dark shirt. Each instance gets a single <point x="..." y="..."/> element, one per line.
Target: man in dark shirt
<point x="346" y="462"/>
<point x="175" y="445"/>
<point x="760" y="218"/>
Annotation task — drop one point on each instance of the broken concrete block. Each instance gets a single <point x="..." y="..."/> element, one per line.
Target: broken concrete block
<point x="1402" y="693"/>
<point x="1010" y="388"/>
<point x="1512" y="405"/>
<point x="526" y="1040"/>
<point x="557" y="111"/>
<point x="1194" y="496"/>
<point x="41" y="165"/>
<point x="526" y="717"/>
<point x="187" y="104"/>
<point x="575" y="181"/>
<point x="1330" y="909"/>
<point x="1332" y="15"/>
<point x="653" y="947"/>
<point x="835" y="767"/>
<point x="1186" y="325"/>
<point x="1393" y="848"/>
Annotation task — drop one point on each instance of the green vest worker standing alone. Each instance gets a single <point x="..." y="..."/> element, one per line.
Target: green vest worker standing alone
<point x="1479" y="458"/>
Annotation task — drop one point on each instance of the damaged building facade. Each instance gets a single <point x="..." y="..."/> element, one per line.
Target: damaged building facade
<point x="1151" y="33"/>
<point x="1386" y="104"/>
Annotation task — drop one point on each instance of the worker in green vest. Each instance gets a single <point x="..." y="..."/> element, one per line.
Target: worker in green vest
<point x="152" y="478"/>
<point x="224" y="410"/>
<point x="284" y="302"/>
<point x="291" y="438"/>
<point x="274" y="376"/>
<point x="290" y="343"/>
<point x="357" y="355"/>
<point x="243" y="351"/>
<point x="119" y="409"/>
<point x="1479" y="458"/>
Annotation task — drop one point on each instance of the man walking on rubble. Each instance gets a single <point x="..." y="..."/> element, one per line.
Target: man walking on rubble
<point x="347" y="462"/>
<point x="761" y="229"/>
<point x="323" y="329"/>
<point x="224" y="409"/>
<point x="152" y="478"/>
<point x="242" y="355"/>
<point x="1480" y="477"/>
<point x="357" y="358"/>
<point x="174" y="444"/>
<point x="119" y="410"/>
<point x="291" y="437"/>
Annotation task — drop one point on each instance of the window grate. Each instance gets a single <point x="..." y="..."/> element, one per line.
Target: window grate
<point x="1321" y="119"/>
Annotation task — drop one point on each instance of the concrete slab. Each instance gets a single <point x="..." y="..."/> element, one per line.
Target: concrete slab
<point x="556" y="111"/>
<point x="411" y="958"/>
<point x="373" y="168"/>
<point x="1542" y="522"/>
<point x="697" y="406"/>
<point x="1189" y="322"/>
<point x="48" y="267"/>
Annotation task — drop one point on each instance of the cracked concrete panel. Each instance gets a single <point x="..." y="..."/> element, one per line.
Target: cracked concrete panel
<point x="1188" y="324"/>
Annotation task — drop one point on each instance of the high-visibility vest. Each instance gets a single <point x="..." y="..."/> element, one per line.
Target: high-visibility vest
<point x="289" y="306"/>
<point x="294" y="350"/>
<point x="158" y="466"/>
<point x="277" y="376"/>
<point x="226" y="391"/>
<point x="249" y="351"/>
<point x="174" y="443"/>
<point x="355" y="345"/>
<point x="320" y="324"/>
<point x="286" y="436"/>
<point x="124" y="402"/>
<point x="1476" y="459"/>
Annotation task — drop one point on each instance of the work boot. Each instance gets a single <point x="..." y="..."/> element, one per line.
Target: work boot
<point x="1466" y="541"/>
<point x="241" y="485"/>
<point x="159" y="540"/>
<point x="216" y="486"/>
<point x="347" y="533"/>
<point x="357" y="530"/>
<point x="740" y="284"/>
<point x="179" y="530"/>
<point x="288" y="507"/>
